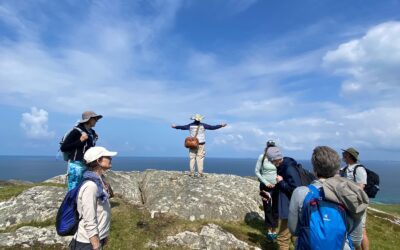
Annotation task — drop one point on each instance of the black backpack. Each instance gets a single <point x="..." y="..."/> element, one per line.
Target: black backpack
<point x="372" y="186"/>
<point x="306" y="176"/>
<point x="66" y="155"/>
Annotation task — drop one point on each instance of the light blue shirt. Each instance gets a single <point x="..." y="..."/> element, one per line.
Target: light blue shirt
<point x="267" y="172"/>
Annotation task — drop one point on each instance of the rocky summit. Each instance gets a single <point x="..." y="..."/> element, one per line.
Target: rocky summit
<point x="215" y="197"/>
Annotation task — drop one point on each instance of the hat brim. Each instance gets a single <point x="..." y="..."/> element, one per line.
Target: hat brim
<point x="110" y="153"/>
<point x="87" y="119"/>
<point x="355" y="156"/>
<point x="197" y="118"/>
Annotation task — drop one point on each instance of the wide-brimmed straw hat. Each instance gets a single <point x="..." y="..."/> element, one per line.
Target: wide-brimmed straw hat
<point x="197" y="117"/>
<point x="89" y="114"/>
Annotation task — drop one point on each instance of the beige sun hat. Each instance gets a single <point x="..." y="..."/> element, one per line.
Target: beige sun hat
<point x="197" y="117"/>
<point x="89" y="114"/>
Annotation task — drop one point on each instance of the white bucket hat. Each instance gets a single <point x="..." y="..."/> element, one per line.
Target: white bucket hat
<point x="197" y="117"/>
<point x="95" y="153"/>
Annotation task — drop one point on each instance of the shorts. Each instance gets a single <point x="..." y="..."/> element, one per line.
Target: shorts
<point x="364" y="219"/>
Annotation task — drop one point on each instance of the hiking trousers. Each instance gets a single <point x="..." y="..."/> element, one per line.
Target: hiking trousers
<point x="197" y="156"/>
<point x="284" y="235"/>
<point x="270" y="207"/>
<point x="76" y="245"/>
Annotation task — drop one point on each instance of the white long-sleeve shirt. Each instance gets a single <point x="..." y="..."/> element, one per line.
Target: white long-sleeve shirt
<point x="96" y="215"/>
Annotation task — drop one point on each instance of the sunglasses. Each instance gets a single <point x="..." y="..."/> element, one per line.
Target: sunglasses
<point x="107" y="157"/>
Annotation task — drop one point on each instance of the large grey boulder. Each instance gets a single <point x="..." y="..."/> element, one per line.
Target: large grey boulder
<point x="126" y="185"/>
<point x="28" y="236"/>
<point x="59" y="179"/>
<point x="213" y="197"/>
<point x="211" y="237"/>
<point x="35" y="204"/>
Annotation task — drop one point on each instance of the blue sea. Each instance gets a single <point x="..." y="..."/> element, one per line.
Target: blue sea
<point x="39" y="168"/>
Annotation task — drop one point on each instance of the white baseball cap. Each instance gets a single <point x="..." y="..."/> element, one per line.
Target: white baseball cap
<point x="95" y="153"/>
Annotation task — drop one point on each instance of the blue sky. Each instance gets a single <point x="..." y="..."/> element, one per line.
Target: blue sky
<point x="303" y="73"/>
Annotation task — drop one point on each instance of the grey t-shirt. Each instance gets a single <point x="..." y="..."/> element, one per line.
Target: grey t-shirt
<point x="361" y="174"/>
<point x="295" y="208"/>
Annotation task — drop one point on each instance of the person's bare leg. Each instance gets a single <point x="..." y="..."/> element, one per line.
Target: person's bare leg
<point x="365" y="241"/>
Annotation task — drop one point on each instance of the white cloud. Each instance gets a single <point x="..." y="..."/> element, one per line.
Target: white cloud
<point x="35" y="124"/>
<point x="131" y="66"/>
<point x="122" y="66"/>
<point x="372" y="62"/>
<point x="269" y="108"/>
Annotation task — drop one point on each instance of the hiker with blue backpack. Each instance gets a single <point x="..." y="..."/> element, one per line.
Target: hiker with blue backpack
<point x="327" y="213"/>
<point x="90" y="204"/>
<point x="266" y="173"/>
<point x="356" y="172"/>
<point x="75" y="143"/>
<point x="287" y="180"/>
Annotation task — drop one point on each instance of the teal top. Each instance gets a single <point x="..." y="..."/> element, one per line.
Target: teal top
<point x="267" y="172"/>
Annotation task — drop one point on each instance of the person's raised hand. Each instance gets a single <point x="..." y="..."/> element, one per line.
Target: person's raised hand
<point x="84" y="137"/>
<point x="173" y="126"/>
<point x="223" y="124"/>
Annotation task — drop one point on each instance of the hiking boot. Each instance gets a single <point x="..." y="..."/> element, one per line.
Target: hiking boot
<point x="271" y="236"/>
<point x="201" y="175"/>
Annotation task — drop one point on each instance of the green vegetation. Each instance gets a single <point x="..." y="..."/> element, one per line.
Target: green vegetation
<point x="9" y="190"/>
<point x="382" y="234"/>
<point x="132" y="227"/>
<point x="388" y="208"/>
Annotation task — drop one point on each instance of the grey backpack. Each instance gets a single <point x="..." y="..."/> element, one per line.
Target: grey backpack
<point x="66" y="154"/>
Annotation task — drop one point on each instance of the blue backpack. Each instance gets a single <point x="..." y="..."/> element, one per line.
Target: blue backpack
<point x="322" y="224"/>
<point x="67" y="220"/>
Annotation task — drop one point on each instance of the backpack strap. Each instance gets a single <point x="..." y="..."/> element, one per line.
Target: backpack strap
<point x="343" y="171"/>
<point x="314" y="193"/>
<point x="354" y="171"/>
<point x="79" y="129"/>
<point x="197" y="130"/>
